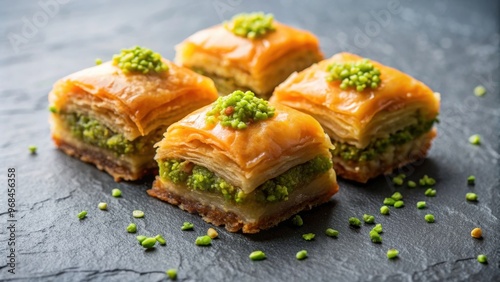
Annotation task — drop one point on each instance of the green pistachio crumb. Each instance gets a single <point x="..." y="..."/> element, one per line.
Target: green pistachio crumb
<point x="421" y="205"/>
<point x="399" y="204"/>
<point x="429" y="218"/>
<point x="53" y="109"/>
<point x="358" y="75"/>
<point x="187" y="226"/>
<point x="138" y="214"/>
<point x="412" y="184"/>
<point x="32" y="149"/>
<point x="239" y="109"/>
<point x="479" y="91"/>
<point x="149" y="243"/>
<point x="139" y="60"/>
<point x="471" y="180"/>
<point x="378" y="228"/>
<point x="402" y="175"/>
<point x="375" y="237"/>
<point x="384" y="210"/>
<point x="141" y="238"/>
<point x="82" y="214"/>
<point x="430" y="192"/>
<point x="482" y="258"/>
<point x="475" y="139"/>
<point x="471" y="197"/>
<point x="308" y="236"/>
<point x="251" y="25"/>
<point x="354" y="221"/>
<point x="102" y="206"/>
<point x="204" y="240"/>
<point x="172" y="273"/>
<point x="297" y="220"/>
<point x="368" y="218"/>
<point x="330" y="232"/>
<point x="397" y="196"/>
<point x="257" y="255"/>
<point x="98" y="61"/>
<point x="116" y="193"/>
<point x="392" y="253"/>
<point x="398" y="181"/>
<point x="389" y="201"/>
<point x="132" y="228"/>
<point x="427" y="181"/>
<point x="301" y="255"/>
<point x="161" y="240"/>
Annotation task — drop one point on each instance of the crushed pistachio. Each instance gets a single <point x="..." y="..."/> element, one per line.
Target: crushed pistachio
<point x="359" y="75"/>
<point x="427" y="181"/>
<point x="399" y="204"/>
<point x="412" y="184"/>
<point x="389" y="201"/>
<point x="172" y="273"/>
<point x="98" y="61"/>
<point x="82" y="214"/>
<point x="301" y="255"/>
<point x="421" y="205"/>
<point x="297" y="220"/>
<point x="116" y="192"/>
<point x="138" y="214"/>
<point x="203" y="240"/>
<point x="140" y="60"/>
<point x="32" y="149"/>
<point x="475" y="139"/>
<point x="102" y="206"/>
<point x="471" y="197"/>
<point x="308" y="236"/>
<point x="368" y="218"/>
<point x="132" y="228"/>
<point x="257" y="255"/>
<point x="429" y="218"/>
<point x="53" y="109"/>
<point x="384" y="210"/>
<point x="161" y="240"/>
<point x="398" y="181"/>
<point x="430" y="192"/>
<point x="141" y="238"/>
<point x="482" y="258"/>
<point x="479" y="91"/>
<point x="375" y="237"/>
<point x="149" y="243"/>
<point x="354" y="221"/>
<point x="239" y="109"/>
<point x="471" y="180"/>
<point x="330" y="232"/>
<point x="392" y="253"/>
<point x="251" y="25"/>
<point x="397" y="196"/>
<point x="187" y="226"/>
<point x="378" y="228"/>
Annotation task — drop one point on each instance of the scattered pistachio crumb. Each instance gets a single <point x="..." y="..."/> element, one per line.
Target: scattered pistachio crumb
<point x="132" y="228"/>
<point x="482" y="258"/>
<point x="330" y="232"/>
<point x="399" y="204"/>
<point x="172" y="273"/>
<point x="138" y="214"/>
<point x="82" y="214"/>
<point x="203" y="240"/>
<point x="389" y="201"/>
<point x="384" y="210"/>
<point x="212" y="233"/>
<point x="297" y="220"/>
<point x="398" y="181"/>
<point x="421" y="205"/>
<point x="378" y="228"/>
<point x="479" y="91"/>
<point x="476" y="233"/>
<point x="471" y="197"/>
<point x="471" y="180"/>
<point x="397" y="196"/>
<point x="149" y="243"/>
<point x="301" y="255"/>
<point x="430" y="192"/>
<point x="429" y="218"/>
<point x="98" y="61"/>
<point x="116" y="193"/>
<point x="32" y="149"/>
<point x="375" y="237"/>
<point x="412" y="184"/>
<point x="354" y="221"/>
<point x="475" y="139"/>
<point x="308" y="236"/>
<point x="392" y="253"/>
<point x="102" y="206"/>
<point x="368" y="218"/>
<point x="161" y="240"/>
<point x="257" y="255"/>
<point x="187" y="226"/>
<point x="141" y="238"/>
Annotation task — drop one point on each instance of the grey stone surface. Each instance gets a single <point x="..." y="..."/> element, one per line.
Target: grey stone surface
<point x="450" y="45"/>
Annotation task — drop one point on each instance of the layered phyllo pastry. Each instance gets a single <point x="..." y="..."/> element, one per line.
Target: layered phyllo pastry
<point x="244" y="163"/>
<point x="250" y="52"/>
<point x="112" y="114"/>
<point x="378" y="118"/>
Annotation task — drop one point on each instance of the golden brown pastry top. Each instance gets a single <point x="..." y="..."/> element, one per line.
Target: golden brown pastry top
<point x="251" y="55"/>
<point x="246" y="158"/>
<point x="139" y="97"/>
<point x="396" y="90"/>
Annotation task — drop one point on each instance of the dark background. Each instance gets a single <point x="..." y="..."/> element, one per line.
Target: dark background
<point x="450" y="45"/>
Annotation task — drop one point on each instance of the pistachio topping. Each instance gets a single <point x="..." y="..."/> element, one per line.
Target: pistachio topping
<point x="239" y="109"/>
<point x="359" y="75"/>
<point x="140" y="60"/>
<point x="251" y="25"/>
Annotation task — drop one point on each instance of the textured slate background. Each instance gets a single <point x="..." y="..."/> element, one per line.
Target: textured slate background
<point x="450" y="45"/>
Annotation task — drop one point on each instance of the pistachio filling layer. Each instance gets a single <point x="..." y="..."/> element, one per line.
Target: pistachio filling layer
<point x="93" y="132"/>
<point x="352" y="153"/>
<point x="274" y="190"/>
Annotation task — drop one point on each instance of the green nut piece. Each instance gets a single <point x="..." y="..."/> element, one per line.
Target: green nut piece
<point x="148" y="243"/>
<point x="301" y="255"/>
<point x="98" y="61"/>
<point x="430" y="192"/>
<point x="392" y="253"/>
<point x="354" y="221"/>
<point x="397" y="196"/>
<point x="375" y="237"/>
<point x="475" y="139"/>
<point x="471" y="197"/>
<point x="412" y="184"/>
<point x="187" y="226"/>
<point x="479" y="91"/>
<point x="257" y="255"/>
<point x="482" y="259"/>
<point x="308" y="236"/>
<point x="429" y="218"/>
<point x="102" y="206"/>
<point x="389" y="201"/>
<point x="138" y="214"/>
<point x="399" y="204"/>
<point x="132" y="228"/>
<point x="330" y="232"/>
<point x="116" y="193"/>
<point x="172" y="273"/>
<point x="421" y="205"/>
<point x="377" y="228"/>
<point x="368" y="218"/>
<point x="32" y="149"/>
<point x="384" y="210"/>
<point x="160" y="240"/>
<point x="141" y="238"/>
<point x="82" y="214"/>
<point x="471" y="180"/>
<point x="203" y="241"/>
<point x="398" y="181"/>
<point x="297" y="220"/>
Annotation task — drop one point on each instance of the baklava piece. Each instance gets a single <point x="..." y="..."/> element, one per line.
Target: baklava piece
<point x="251" y="52"/>
<point x="244" y="163"/>
<point x="377" y="117"/>
<point x="112" y="114"/>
